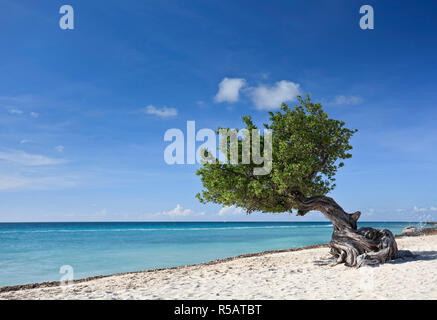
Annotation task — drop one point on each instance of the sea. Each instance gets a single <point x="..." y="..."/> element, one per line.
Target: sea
<point x="39" y="252"/>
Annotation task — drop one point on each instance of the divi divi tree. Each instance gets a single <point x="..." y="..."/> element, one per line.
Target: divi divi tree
<point x="308" y="148"/>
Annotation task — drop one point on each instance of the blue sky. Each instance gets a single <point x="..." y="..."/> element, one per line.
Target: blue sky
<point x="83" y="112"/>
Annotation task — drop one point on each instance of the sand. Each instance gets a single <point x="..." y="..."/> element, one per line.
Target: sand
<point x="299" y="274"/>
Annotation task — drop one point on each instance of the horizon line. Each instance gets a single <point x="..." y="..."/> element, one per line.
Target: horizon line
<point x="222" y="221"/>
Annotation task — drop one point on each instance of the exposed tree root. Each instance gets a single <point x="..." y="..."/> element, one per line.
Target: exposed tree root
<point x="365" y="246"/>
<point x="354" y="248"/>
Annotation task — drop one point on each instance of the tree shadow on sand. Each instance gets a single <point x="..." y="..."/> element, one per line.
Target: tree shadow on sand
<point x="404" y="256"/>
<point x="408" y="256"/>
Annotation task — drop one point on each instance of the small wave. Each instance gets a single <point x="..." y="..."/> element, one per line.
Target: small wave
<point x="165" y="229"/>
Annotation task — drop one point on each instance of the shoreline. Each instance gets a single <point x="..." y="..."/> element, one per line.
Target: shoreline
<point x="53" y="284"/>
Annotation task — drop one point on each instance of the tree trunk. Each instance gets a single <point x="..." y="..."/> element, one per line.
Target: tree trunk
<point x="355" y="247"/>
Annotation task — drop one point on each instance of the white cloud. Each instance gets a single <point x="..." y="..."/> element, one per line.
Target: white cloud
<point x="25" y="141"/>
<point x="15" y="111"/>
<point x="346" y="100"/>
<point x="178" y="211"/>
<point x="164" y="112"/>
<point x="34" y="115"/>
<point x="201" y="103"/>
<point x="369" y="212"/>
<point x="417" y="209"/>
<point x="23" y="158"/>
<point x="271" y="97"/>
<point x="101" y="213"/>
<point x="9" y="183"/>
<point x="225" y="211"/>
<point x="229" y="90"/>
<point x="265" y="75"/>
<point x="264" y="97"/>
<point x="60" y="148"/>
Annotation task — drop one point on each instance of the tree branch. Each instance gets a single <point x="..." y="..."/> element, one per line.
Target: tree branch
<point x="325" y="158"/>
<point x="330" y="209"/>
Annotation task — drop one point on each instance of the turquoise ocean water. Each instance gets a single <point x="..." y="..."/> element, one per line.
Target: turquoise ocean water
<point x="34" y="252"/>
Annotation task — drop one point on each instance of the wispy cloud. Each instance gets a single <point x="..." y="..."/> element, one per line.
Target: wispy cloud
<point x="201" y="103"/>
<point x="229" y="90"/>
<point x="346" y="100"/>
<point x="60" y="148"/>
<point x="26" y="159"/>
<point x="15" y="111"/>
<point x="164" y="112"/>
<point x="19" y="183"/>
<point x="415" y="213"/>
<point x="102" y="213"/>
<point x="424" y="209"/>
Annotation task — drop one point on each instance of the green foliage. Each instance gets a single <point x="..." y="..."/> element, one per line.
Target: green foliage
<point x="307" y="151"/>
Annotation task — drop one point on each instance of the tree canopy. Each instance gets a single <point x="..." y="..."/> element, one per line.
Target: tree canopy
<point x="307" y="149"/>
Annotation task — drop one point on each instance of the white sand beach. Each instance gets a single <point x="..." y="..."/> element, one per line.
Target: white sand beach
<point x="285" y="275"/>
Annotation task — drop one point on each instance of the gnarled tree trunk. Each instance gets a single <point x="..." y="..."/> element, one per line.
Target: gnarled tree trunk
<point x="355" y="247"/>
